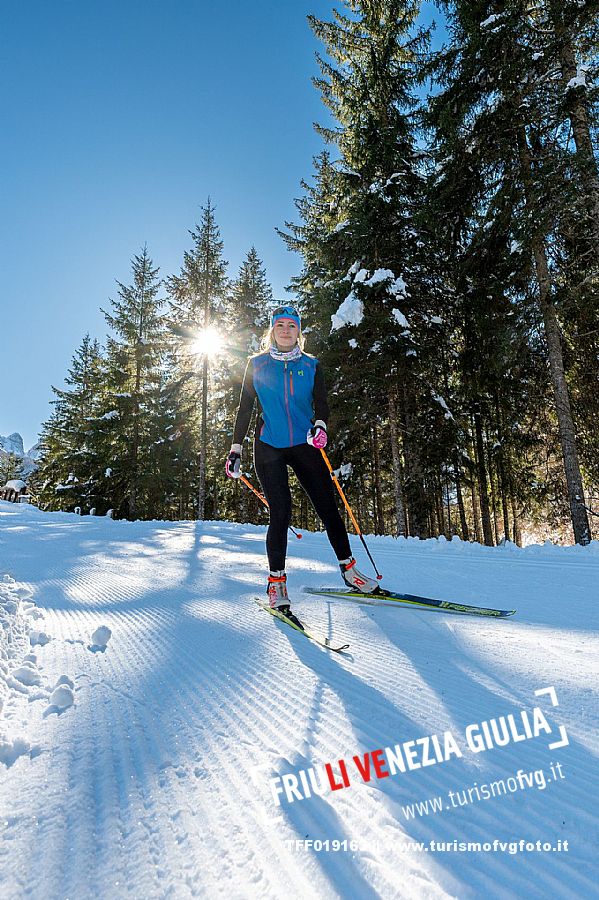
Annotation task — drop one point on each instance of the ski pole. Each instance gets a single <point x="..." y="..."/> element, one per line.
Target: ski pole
<point x="351" y="515"/>
<point x="264" y="500"/>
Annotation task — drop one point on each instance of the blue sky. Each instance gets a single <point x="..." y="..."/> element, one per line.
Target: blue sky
<point x="119" y="119"/>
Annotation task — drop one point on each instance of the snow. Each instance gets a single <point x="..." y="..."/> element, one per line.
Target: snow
<point x="397" y="286"/>
<point x="440" y="400"/>
<point x="27" y="674"/>
<point x="491" y="20"/>
<point x="351" y="312"/>
<point x="153" y="769"/>
<point x="16" y="484"/>
<point x="579" y="79"/>
<point x="400" y="318"/>
<point x="101" y="636"/>
<point x="62" y="696"/>
<point x="380" y="275"/>
<point x="353" y="270"/>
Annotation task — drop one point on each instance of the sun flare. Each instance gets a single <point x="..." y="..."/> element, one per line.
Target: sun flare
<point x="207" y="343"/>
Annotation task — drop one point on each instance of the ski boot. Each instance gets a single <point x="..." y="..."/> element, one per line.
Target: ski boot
<point x="278" y="597"/>
<point x="355" y="580"/>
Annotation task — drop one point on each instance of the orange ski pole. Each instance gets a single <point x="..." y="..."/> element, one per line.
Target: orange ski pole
<point x="263" y="499"/>
<point x="349" y="510"/>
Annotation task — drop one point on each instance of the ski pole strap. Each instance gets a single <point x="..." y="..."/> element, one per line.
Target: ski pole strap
<point x="351" y="515"/>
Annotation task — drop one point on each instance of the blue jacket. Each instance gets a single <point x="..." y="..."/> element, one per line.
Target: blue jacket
<point x="292" y="395"/>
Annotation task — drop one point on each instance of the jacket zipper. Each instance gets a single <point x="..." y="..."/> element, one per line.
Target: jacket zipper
<point x="287" y="404"/>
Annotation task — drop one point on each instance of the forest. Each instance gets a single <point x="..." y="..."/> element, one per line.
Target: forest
<point x="448" y="280"/>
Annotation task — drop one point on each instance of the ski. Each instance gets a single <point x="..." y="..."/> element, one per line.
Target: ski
<point x="303" y="629"/>
<point x="414" y="600"/>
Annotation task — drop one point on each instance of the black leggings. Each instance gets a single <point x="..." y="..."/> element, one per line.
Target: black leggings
<point x="313" y="475"/>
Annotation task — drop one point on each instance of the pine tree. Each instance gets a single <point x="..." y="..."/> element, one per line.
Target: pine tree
<point x="69" y="471"/>
<point x="497" y="127"/>
<point x="247" y="318"/>
<point x="197" y="301"/>
<point x="11" y="467"/>
<point x="132" y="422"/>
<point x="365" y="252"/>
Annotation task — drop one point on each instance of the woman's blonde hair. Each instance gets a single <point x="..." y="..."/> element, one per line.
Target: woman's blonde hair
<point x="268" y="340"/>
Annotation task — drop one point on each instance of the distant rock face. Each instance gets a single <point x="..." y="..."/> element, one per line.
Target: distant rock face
<point x="13" y="443"/>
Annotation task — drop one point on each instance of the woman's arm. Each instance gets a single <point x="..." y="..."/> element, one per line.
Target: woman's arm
<point x="246" y="405"/>
<point x="321" y="404"/>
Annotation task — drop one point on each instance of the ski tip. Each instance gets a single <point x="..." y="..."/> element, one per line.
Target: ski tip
<point x="338" y="648"/>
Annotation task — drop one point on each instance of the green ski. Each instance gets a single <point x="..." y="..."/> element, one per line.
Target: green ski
<point x="303" y="629"/>
<point x="413" y="600"/>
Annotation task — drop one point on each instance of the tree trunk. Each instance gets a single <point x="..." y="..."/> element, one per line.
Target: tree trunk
<point x="203" y="440"/>
<point x="462" y="511"/>
<point x="215" y="495"/>
<point x="438" y="493"/>
<point x="493" y="490"/>
<point x="517" y="535"/>
<point x="376" y="455"/>
<point x="580" y="522"/>
<point x="482" y="481"/>
<point x="135" y="437"/>
<point x="579" y="118"/>
<point x="414" y="489"/>
<point x="478" y="525"/>
<point x="501" y="470"/>
<point x="400" y="516"/>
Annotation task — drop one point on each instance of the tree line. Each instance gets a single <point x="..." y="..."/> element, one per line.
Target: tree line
<point x="449" y="237"/>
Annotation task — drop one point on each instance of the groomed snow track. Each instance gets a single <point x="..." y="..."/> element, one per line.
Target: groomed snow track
<point x="155" y="783"/>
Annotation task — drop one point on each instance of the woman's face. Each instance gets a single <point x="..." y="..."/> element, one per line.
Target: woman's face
<point x="286" y="334"/>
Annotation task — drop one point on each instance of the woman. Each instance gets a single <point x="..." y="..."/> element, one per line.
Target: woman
<point x="291" y="430"/>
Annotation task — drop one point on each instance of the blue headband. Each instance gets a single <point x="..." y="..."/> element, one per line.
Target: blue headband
<point x="286" y="312"/>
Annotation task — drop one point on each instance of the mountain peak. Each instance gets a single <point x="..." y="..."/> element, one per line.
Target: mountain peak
<point x="13" y="443"/>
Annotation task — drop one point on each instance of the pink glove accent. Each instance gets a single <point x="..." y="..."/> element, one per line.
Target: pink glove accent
<point x="233" y="465"/>
<point x="317" y="437"/>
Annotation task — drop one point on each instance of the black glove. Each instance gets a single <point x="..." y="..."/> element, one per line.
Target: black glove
<point x="233" y="464"/>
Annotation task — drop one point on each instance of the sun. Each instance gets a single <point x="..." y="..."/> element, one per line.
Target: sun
<point x="207" y="343"/>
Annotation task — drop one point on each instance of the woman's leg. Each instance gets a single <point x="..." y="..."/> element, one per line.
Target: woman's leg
<point x="271" y="468"/>
<point x="314" y="477"/>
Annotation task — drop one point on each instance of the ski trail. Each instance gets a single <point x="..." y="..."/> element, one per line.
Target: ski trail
<point x="158" y="782"/>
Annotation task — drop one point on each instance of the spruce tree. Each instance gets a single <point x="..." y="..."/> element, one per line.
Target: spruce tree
<point x="198" y="301"/>
<point x="131" y="422"/>
<point x="365" y="253"/>
<point x="70" y="470"/>
<point x="248" y="306"/>
<point x="496" y="126"/>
